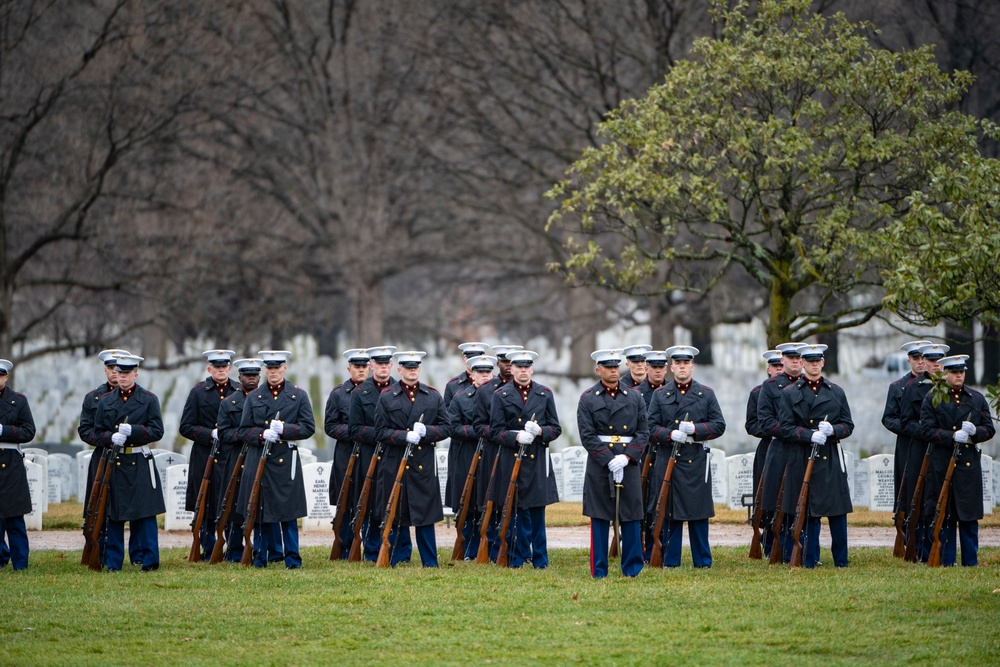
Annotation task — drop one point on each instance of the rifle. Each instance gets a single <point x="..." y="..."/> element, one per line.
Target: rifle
<point x="656" y="557"/>
<point x="916" y="505"/>
<point x="359" y="516"/>
<point x="758" y="512"/>
<point x="100" y="510"/>
<point x="508" y="504"/>
<point x="254" y="505"/>
<point x="392" y="506"/>
<point x="779" y="517"/>
<point x="458" y="551"/>
<point x="647" y="465"/>
<point x="342" y="500"/>
<point x="90" y="511"/>
<point x="899" y="546"/>
<point x="483" y="555"/>
<point x="194" y="555"/>
<point x="227" y="507"/>
<point x="934" y="559"/>
<point x="800" y="509"/>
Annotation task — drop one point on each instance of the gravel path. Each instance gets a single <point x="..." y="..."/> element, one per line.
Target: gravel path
<point x="559" y="537"/>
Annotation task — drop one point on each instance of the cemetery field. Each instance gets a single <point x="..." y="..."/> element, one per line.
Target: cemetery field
<point x="879" y="611"/>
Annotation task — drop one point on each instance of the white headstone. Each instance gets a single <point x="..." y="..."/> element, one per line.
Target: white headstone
<point x="82" y="464"/>
<point x="33" y="521"/>
<point x="574" y="471"/>
<point x="996" y="482"/>
<point x="64" y="464"/>
<point x="177" y="518"/>
<point x="441" y="467"/>
<point x="861" y="482"/>
<point x="740" y="469"/>
<point x="988" y="499"/>
<point x="40" y="457"/>
<point x="316" y="477"/>
<point x="306" y="458"/>
<point x="55" y="490"/>
<point x="557" y="472"/>
<point x="881" y="496"/>
<point x="163" y="461"/>
<point x="720" y="475"/>
<point x="851" y="476"/>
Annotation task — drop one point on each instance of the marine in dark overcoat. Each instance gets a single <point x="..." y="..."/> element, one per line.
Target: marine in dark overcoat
<point x="282" y="493"/>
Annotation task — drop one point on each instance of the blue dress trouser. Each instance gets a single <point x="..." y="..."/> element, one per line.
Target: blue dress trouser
<point x="701" y="552"/>
<point x="838" y="539"/>
<point x="526" y="539"/>
<point x="274" y="538"/>
<point x="146" y="542"/>
<point x="968" y="538"/>
<point x="631" y="549"/>
<point x="426" y="545"/>
<point x="372" y="539"/>
<point x="14" y="542"/>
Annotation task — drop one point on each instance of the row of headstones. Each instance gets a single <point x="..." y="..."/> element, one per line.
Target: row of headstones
<point x="870" y="481"/>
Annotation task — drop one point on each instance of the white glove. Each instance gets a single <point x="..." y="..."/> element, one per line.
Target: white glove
<point x="618" y="463"/>
<point x="969" y="428"/>
<point x="125" y="429"/>
<point x="277" y="426"/>
<point x="618" y="476"/>
<point x="678" y="436"/>
<point x="419" y="429"/>
<point x="270" y="435"/>
<point x="826" y="428"/>
<point x="686" y="427"/>
<point x="962" y="437"/>
<point x="118" y="438"/>
<point x="1" y="429"/>
<point x="533" y="428"/>
<point x="412" y="437"/>
<point x="524" y="438"/>
<point x="818" y="437"/>
<point x="215" y="434"/>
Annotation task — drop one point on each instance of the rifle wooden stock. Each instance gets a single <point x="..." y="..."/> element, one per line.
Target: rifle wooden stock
<point x="647" y="465"/>
<point x="916" y="506"/>
<point x="483" y="555"/>
<point x="363" y="501"/>
<point x="779" y="518"/>
<point x="508" y="507"/>
<point x="343" y="497"/>
<point x="934" y="559"/>
<point x="100" y="510"/>
<point x="227" y="507"/>
<point x="194" y="555"/>
<point x="899" y="546"/>
<point x="458" y="551"/>
<point x="253" y="505"/>
<point x="656" y="557"/>
<point x="801" y="507"/>
<point x="390" y="510"/>
<point x="755" y="542"/>
<point x="90" y="511"/>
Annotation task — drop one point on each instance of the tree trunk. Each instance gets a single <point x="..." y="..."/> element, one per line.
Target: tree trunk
<point x="582" y="331"/>
<point x="661" y="323"/>
<point x="961" y="341"/>
<point x="991" y="354"/>
<point x="780" y="314"/>
<point x="832" y="365"/>
<point x="368" y="322"/>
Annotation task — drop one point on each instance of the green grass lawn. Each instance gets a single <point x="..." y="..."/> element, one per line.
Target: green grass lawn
<point x="879" y="611"/>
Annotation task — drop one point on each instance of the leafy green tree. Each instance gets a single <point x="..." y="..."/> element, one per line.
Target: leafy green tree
<point x="792" y="155"/>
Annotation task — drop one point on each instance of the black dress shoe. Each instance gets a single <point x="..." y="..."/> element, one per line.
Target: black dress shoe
<point x="151" y="568"/>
